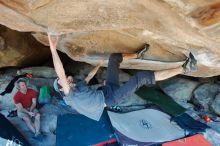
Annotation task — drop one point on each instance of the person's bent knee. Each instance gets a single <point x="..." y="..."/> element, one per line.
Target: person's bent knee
<point x="116" y="57"/>
<point x="146" y="77"/>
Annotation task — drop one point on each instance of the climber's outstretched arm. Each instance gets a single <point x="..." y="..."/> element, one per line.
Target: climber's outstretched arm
<point x="58" y="64"/>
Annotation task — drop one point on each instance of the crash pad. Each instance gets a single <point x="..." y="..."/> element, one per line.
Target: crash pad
<point x="165" y="102"/>
<point x="80" y="130"/>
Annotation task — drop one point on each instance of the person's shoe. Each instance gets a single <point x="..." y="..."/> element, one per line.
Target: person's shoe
<point x="12" y="113"/>
<point x="190" y="64"/>
<point x="140" y="53"/>
<point x="115" y="109"/>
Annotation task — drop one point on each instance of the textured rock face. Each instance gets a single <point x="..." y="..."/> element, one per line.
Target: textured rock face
<point x="179" y="89"/>
<point x="205" y="94"/>
<point x="20" y="49"/>
<point x="90" y="27"/>
<point x="215" y="104"/>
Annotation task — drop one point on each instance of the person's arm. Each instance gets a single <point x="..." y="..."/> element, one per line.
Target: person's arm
<point x="93" y="72"/>
<point x="21" y="109"/>
<point x="58" y="65"/>
<point x="34" y="103"/>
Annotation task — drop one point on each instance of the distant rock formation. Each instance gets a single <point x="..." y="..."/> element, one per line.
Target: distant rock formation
<point x="20" y="49"/>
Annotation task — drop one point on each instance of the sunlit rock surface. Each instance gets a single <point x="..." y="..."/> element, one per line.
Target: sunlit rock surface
<point x="91" y="29"/>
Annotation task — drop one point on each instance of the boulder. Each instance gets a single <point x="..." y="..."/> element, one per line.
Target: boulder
<point x="8" y="72"/>
<point x="20" y="49"/>
<point x="133" y="100"/>
<point x="123" y="76"/>
<point x="212" y="136"/>
<point x="205" y="94"/>
<point x="91" y="29"/>
<point x="39" y="82"/>
<point x="2" y="43"/>
<point x="49" y="113"/>
<point x="80" y="70"/>
<point x="7" y="102"/>
<point x="180" y="89"/>
<point x="42" y="71"/>
<point x="215" y="105"/>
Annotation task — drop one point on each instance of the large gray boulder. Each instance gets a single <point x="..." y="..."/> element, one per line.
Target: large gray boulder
<point x="81" y="70"/>
<point x="132" y="100"/>
<point x="173" y="28"/>
<point x="215" y="106"/>
<point x="204" y="95"/>
<point x="46" y="72"/>
<point x="4" y="101"/>
<point x="39" y="82"/>
<point x="180" y="89"/>
<point x="7" y="102"/>
<point x="123" y="76"/>
<point x="212" y="136"/>
<point x="49" y="114"/>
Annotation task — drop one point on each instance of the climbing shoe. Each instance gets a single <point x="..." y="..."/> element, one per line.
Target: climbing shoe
<point x="140" y="53"/>
<point x="190" y="64"/>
